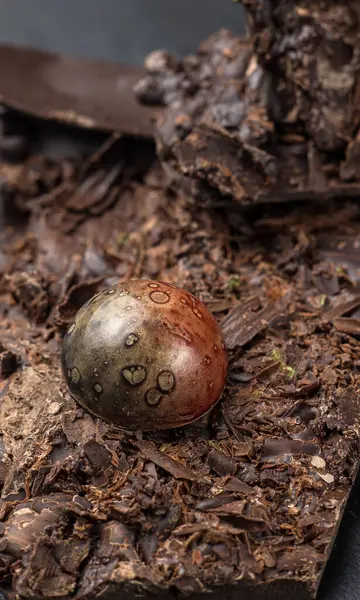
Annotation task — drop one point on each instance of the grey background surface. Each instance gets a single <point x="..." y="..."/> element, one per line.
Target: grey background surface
<point x="122" y="30"/>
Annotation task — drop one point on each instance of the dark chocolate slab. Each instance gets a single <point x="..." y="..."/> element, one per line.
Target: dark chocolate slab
<point x="88" y="93"/>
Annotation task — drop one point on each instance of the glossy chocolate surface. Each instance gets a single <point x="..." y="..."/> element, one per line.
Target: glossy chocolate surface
<point x="145" y="355"/>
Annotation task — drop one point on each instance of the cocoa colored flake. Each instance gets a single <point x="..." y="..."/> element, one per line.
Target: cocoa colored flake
<point x="347" y="325"/>
<point x="221" y="464"/>
<point x="178" y="470"/>
<point x="242" y="323"/>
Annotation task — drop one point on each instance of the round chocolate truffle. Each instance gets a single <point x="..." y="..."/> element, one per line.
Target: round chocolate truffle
<point x="145" y="355"/>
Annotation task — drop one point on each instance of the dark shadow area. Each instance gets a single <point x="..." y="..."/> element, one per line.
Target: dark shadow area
<point x="341" y="580"/>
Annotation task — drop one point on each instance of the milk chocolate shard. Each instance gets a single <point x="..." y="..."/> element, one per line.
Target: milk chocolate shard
<point x="92" y="94"/>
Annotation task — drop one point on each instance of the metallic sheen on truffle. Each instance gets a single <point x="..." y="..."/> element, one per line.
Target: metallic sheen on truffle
<point x="145" y="355"/>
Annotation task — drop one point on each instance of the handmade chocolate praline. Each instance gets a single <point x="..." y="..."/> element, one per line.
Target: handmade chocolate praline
<point x="145" y="355"/>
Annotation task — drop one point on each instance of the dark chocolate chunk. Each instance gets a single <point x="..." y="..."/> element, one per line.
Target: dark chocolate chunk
<point x="86" y="93"/>
<point x="221" y="464"/>
<point x="271" y="119"/>
<point x="9" y="362"/>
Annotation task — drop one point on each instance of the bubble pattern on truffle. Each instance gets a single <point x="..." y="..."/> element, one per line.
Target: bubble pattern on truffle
<point x="153" y="397"/>
<point x="134" y="374"/>
<point x="98" y="388"/>
<point x="131" y="339"/>
<point x="160" y="297"/>
<point x="166" y="381"/>
<point x="75" y="375"/>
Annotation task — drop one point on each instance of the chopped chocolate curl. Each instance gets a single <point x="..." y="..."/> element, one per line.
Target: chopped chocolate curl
<point x="272" y="118"/>
<point x="221" y="464"/>
<point x="243" y="323"/>
<point x="176" y="469"/>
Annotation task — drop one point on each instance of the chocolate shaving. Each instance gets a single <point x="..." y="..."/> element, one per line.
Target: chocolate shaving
<point x="273" y="448"/>
<point x="347" y="325"/>
<point x="233" y="484"/>
<point x="215" y="502"/>
<point x="342" y="308"/>
<point x="161" y="531"/>
<point x="177" y="470"/>
<point x="220" y="463"/>
<point x="75" y="299"/>
<point x="234" y="513"/>
<point x="242" y="324"/>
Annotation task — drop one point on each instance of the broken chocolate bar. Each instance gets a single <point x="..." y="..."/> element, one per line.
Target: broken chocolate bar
<point x="273" y="118"/>
<point x="86" y="93"/>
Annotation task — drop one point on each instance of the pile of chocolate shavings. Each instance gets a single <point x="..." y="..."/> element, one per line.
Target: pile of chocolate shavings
<point x="253" y="494"/>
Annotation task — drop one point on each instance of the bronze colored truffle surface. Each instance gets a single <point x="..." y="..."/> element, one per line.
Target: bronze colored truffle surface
<point x="145" y="355"/>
